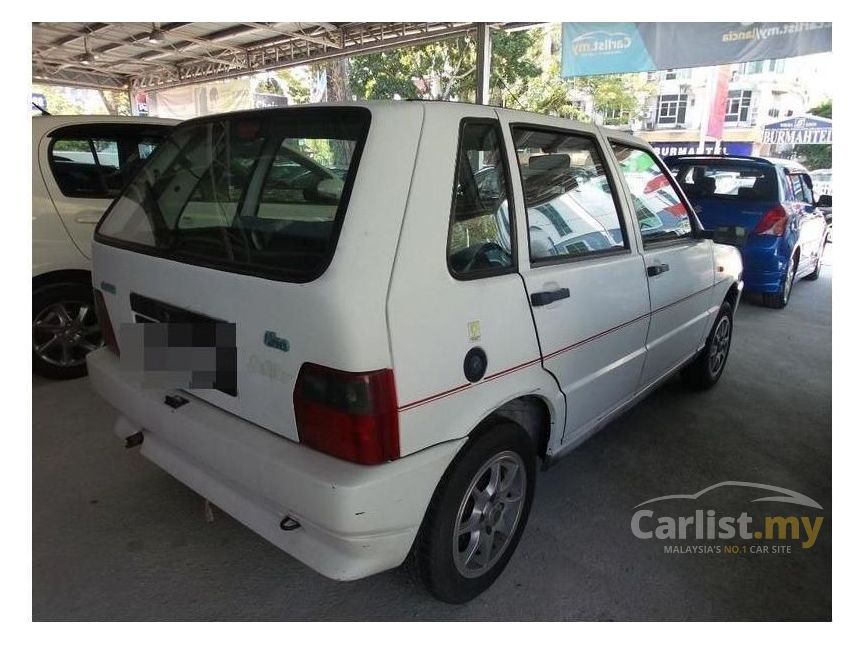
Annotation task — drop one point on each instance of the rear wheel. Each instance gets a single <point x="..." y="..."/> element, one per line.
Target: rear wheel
<point x="704" y="372"/>
<point x="815" y="274"/>
<point x="65" y="330"/>
<point x="780" y="299"/>
<point x="477" y="514"/>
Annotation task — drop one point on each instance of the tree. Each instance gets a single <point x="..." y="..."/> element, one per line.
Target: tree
<point x="548" y="94"/>
<point x="824" y="110"/>
<point x="116" y="102"/>
<point x="293" y="87"/>
<point x="515" y="58"/>
<point x="337" y="80"/>
<point x="269" y="86"/>
<point x="444" y="70"/>
<point x="817" y="155"/>
<point x="57" y="103"/>
<point x="614" y="96"/>
<point x="434" y="71"/>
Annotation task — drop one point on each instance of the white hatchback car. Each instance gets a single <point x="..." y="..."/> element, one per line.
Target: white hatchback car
<point x="356" y="328"/>
<point x="80" y="163"/>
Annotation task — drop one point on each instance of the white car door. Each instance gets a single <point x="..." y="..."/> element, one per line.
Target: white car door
<point x="679" y="267"/>
<point x="584" y="275"/>
<point x="809" y="220"/>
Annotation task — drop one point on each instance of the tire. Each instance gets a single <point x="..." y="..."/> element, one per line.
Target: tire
<point x="780" y="299"/>
<point x="704" y="372"/>
<point x="444" y="562"/>
<point x="65" y="330"/>
<point x="815" y="274"/>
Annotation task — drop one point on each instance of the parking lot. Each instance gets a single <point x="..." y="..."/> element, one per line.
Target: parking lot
<point x="116" y="538"/>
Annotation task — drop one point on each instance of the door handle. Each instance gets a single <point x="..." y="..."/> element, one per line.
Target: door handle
<point x="656" y="269"/>
<point x="87" y="220"/>
<point x="541" y="298"/>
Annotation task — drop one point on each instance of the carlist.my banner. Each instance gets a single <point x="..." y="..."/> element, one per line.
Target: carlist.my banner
<point x="618" y="47"/>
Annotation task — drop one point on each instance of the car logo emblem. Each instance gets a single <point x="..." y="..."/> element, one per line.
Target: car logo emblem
<point x="271" y="339"/>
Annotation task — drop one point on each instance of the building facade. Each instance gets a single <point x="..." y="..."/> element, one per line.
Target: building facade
<point x="759" y="93"/>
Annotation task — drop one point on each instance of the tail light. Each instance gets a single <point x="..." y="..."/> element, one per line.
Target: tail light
<point x="352" y="416"/>
<point x="104" y="322"/>
<point x="773" y="222"/>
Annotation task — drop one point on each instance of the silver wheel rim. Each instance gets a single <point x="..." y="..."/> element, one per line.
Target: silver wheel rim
<point x="489" y="514"/>
<point x="719" y="346"/>
<point x="65" y="332"/>
<point x="789" y="280"/>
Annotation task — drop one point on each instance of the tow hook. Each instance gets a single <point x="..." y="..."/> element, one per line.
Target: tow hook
<point x="134" y="440"/>
<point x="289" y="524"/>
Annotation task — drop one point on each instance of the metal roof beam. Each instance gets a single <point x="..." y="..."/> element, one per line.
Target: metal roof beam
<point x="292" y="53"/>
<point x="300" y="34"/>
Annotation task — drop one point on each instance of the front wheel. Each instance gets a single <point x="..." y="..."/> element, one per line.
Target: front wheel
<point x="704" y="372"/>
<point x="477" y="514"/>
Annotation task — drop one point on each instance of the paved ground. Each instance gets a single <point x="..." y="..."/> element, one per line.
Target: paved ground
<point x="115" y="538"/>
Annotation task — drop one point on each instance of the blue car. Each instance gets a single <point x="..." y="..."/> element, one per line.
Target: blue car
<point x="769" y="206"/>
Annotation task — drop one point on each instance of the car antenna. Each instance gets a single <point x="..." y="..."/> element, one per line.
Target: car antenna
<point x="41" y="109"/>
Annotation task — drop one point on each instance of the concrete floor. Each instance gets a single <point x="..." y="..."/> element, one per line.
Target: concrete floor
<point x="115" y="538"/>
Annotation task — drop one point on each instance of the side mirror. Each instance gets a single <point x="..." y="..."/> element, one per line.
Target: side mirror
<point x="825" y="201"/>
<point x="330" y="189"/>
<point x="731" y="235"/>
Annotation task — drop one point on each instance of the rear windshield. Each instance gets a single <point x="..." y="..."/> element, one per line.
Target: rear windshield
<point x="720" y="180"/>
<point x="261" y="193"/>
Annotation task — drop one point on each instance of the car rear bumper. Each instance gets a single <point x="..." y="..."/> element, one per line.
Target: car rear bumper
<point x="354" y="520"/>
<point x="764" y="265"/>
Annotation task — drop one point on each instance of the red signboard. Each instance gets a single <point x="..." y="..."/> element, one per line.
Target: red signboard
<point x="718" y="107"/>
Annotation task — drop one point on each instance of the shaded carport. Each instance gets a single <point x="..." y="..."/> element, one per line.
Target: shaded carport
<point x="139" y="56"/>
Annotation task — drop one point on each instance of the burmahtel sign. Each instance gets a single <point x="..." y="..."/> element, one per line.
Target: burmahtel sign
<point x="799" y="130"/>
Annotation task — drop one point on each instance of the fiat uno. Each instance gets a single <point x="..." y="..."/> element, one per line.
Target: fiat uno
<point x="358" y="328"/>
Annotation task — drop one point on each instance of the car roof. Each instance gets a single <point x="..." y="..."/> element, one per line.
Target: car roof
<point x="467" y="109"/>
<point x="786" y="164"/>
<point x="43" y="123"/>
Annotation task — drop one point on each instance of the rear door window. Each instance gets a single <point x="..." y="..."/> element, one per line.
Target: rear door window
<point x="96" y="160"/>
<point x="73" y="162"/>
<point x="263" y="194"/>
<point x="571" y="209"/>
<point x="802" y="192"/>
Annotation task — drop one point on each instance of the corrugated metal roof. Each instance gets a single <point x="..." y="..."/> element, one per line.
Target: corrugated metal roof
<point x="144" y="55"/>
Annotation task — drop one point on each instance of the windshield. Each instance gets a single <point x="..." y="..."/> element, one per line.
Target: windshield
<point x="262" y="193"/>
<point x="721" y="180"/>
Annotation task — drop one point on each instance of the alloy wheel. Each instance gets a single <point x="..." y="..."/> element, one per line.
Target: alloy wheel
<point x="789" y="281"/>
<point x="719" y="346"/>
<point x="65" y="332"/>
<point x="489" y="514"/>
